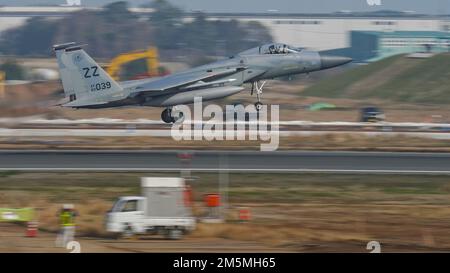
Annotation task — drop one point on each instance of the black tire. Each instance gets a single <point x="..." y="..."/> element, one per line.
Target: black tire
<point x="166" y="116"/>
<point x="174" y="234"/>
<point x="258" y="106"/>
<point x="128" y="232"/>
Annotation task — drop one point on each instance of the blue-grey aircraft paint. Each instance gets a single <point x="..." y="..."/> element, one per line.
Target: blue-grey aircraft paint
<point x="87" y="85"/>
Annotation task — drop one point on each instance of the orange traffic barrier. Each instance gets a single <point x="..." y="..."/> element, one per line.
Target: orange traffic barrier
<point x="32" y="229"/>
<point x="188" y="196"/>
<point x="244" y="215"/>
<point x="212" y="200"/>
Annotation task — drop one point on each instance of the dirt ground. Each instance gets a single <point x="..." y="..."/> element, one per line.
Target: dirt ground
<point x="13" y="240"/>
<point x="339" y="142"/>
<point x="39" y="99"/>
<point x="289" y="212"/>
<point x="328" y="228"/>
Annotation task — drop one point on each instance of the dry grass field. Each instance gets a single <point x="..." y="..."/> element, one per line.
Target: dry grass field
<point x="340" y="142"/>
<point x="291" y="212"/>
<point x="39" y="98"/>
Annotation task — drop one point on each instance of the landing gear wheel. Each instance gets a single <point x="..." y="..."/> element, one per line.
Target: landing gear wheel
<point x="166" y="116"/>
<point x="258" y="106"/>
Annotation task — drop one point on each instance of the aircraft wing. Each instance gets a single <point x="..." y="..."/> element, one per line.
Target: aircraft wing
<point x="185" y="79"/>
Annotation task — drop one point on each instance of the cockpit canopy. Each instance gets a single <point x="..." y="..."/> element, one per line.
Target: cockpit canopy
<point x="274" y="48"/>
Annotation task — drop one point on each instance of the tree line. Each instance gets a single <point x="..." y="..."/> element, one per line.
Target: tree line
<point x="115" y="29"/>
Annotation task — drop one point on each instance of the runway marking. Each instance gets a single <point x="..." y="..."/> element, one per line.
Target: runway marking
<point x="111" y="121"/>
<point x="233" y="170"/>
<point x="167" y="133"/>
<point x="228" y="152"/>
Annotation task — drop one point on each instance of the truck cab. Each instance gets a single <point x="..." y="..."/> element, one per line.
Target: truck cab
<point x="126" y="213"/>
<point x="162" y="208"/>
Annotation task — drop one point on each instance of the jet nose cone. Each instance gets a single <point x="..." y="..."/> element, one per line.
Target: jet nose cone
<point x="329" y="61"/>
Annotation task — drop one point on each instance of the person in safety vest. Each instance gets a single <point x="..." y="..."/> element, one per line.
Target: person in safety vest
<point x="66" y="218"/>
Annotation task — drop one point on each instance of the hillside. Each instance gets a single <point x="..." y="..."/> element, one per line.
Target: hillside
<point x="397" y="78"/>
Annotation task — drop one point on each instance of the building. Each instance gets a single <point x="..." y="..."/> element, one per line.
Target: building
<point x="370" y="46"/>
<point x="331" y="33"/>
<point x="374" y="45"/>
<point x="314" y="31"/>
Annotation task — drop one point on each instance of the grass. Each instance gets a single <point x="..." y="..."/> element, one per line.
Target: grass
<point x="314" y="142"/>
<point x="428" y="81"/>
<point x="288" y="210"/>
<point x="396" y="78"/>
<point x="334" y="87"/>
<point x="7" y="173"/>
<point x="243" y="187"/>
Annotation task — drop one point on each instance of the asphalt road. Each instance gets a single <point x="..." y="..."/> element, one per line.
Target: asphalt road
<point x="283" y="132"/>
<point x="295" y="161"/>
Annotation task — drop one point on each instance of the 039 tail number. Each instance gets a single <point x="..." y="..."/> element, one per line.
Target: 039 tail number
<point x="100" y="86"/>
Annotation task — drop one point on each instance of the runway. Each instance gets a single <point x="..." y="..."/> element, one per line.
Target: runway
<point x="167" y="133"/>
<point x="233" y="161"/>
<point x="106" y="127"/>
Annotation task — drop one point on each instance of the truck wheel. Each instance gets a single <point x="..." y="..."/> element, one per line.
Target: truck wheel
<point x="174" y="234"/>
<point x="128" y="233"/>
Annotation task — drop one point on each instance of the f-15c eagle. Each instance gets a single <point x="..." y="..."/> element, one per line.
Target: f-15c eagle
<point x="87" y="85"/>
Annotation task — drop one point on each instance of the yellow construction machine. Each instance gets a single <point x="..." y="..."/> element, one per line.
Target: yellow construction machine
<point x="151" y="58"/>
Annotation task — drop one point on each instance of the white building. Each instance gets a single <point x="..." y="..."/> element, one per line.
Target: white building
<point x="322" y="32"/>
<point x="331" y="32"/>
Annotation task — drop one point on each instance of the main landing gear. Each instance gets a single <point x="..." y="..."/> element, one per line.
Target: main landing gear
<point x="259" y="89"/>
<point x="167" y="116"/>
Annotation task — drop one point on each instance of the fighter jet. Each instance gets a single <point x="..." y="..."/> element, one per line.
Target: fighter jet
<point x="87" y="85"/>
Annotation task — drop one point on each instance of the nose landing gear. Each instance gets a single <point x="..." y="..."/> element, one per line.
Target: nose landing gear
<point x="259" y="89"/>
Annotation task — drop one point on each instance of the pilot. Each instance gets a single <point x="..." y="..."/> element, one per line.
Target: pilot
<point x="279" y="49"/>
<point x="276" y="50"/>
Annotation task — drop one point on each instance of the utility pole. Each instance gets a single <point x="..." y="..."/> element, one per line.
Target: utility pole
<point x="2" y="85"/>
<point x="223" y="183"/>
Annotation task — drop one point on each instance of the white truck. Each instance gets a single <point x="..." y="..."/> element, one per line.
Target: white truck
<point x="163" y="208"/>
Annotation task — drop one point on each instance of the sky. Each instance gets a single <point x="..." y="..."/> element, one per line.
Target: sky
<point x="283" y="6"/>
